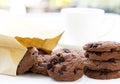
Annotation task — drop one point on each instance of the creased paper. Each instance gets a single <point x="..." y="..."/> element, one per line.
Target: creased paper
<point x="46" y="44"/>
<point x="11" y="53"/>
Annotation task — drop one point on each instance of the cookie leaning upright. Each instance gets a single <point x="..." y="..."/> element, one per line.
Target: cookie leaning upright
<point x="66" y="65"/>
<point x="27" y="61"/>
<point x="103" y="59"/>
<point x="40" y="67"/>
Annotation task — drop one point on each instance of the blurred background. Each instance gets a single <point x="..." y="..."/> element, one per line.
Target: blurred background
<point x="40" y="6"/>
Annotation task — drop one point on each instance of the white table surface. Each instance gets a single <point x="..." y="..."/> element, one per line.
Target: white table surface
<point x="13" y="26"/>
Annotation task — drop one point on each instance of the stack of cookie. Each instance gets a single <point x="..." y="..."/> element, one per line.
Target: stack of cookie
<point x="103" y="60"/>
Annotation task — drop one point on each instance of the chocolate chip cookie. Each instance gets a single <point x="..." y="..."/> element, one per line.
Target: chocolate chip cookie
<point x="66" y="65"/>
<point x="102" y="46"/>
<point x="110" y="64"/>
<point x="28" y="60"/>
<point x="102" y="55"/>
<point x="102" y="74"/>
<point x="103" y="59"/>
<point x="40" y="66"/>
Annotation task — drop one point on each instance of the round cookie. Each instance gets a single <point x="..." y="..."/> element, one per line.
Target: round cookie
<point x="101" y="46"/>
<point x="28" y="60"/>
<point x="103" y="74"/>
<point x="66" y="65"/>
<point x="102" y="55"/>
<point x="41" y="65"/>
<point x="110" y="64"/>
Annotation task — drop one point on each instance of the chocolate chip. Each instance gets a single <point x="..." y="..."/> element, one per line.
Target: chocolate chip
<point x="54" y="61"/>
<point x="90" y="45"/>
<point x="53" y="68"/>
<point x="44" y="61"/>
<point x="112" y="49"/>
<point x="86" y="55"/>
<point x="59" y="54"/>
<point x="49" y="66"/>
<point x="60" y="72"/>
<point x="35" y="53"/>
<point x="104" y="71"/>
<point x="61" y="59"/>
<point x="63" y="68"/>
<point x="39" y="63"/>
<point x="95" y="45"/>
<point x="98" y="53"/>
<point x="76" y="70"/>
<point x="18" y="66"/>
<point x="118" y="52"/>
<point x="66" y="51"/>
<point x="111" y="60"/>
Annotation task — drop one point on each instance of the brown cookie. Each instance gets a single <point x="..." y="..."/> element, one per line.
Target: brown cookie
<point x="102" y="74"/>
<point x="41" y="65"/>
<point x="28" y="60"/>
<point x="102" y="55"/>
<point x="74" y="53"/>
<point x="66" y="65"/>
<point x="101" y="46"/>
<point x="110" y="64"/>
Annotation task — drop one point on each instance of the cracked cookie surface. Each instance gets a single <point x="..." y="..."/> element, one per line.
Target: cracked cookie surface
<point x="66" y="65"/>
<point x="40" y="66"/>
